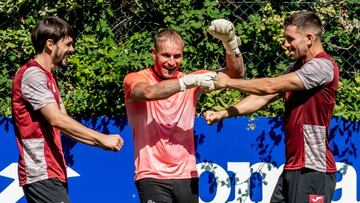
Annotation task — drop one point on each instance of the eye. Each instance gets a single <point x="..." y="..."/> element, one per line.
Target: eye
<point x="166" y="55"/>
<point x="69" y="44"/>
<point x="177" y="56"/>
<point x="289" y="39"/>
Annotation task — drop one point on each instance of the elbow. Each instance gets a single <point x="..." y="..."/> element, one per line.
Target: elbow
<point x="269" y="88"/>
<point x="242" y="71"/>
<point x="57" y="121"/>
<point x="54" y="122"/>
<point x="241" y="74"/>
<point x="147" y="95"/>
<point x="236" y="74"/>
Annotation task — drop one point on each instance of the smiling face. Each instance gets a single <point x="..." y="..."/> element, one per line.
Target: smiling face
<point x="303" y="31"/>
<point x="168" y="57"/>
<point x="296" y="42"/>
<point x="62" y="49"/>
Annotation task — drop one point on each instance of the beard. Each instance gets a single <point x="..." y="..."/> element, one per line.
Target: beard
<point x="61" y="59"/>
<point x="62" y="63"/>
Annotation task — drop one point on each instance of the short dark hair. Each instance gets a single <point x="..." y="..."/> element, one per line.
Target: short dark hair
<point x="50" y="28"/>
<point x="165" y="34"/>
<point x="305" y="20"/>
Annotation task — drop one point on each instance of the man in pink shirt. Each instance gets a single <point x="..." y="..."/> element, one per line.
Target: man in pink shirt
<point x="39" y="115"/>
<point x="161" y="104"/>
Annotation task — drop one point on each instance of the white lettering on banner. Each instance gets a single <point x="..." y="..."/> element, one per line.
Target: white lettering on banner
<point x="347" y="184"/>
<point x="243" y="172"/>
<point x="243" y="182"/>
<point x="14" y="192"/>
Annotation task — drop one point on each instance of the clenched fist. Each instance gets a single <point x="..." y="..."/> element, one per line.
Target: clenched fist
<point x="224" y="30"/>
<point x="111" y="142"/>
<point x="203" y="80"/>
<point x="212" y="117"/>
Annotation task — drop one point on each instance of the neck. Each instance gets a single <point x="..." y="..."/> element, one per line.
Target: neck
<point x="157" y="74"/>
<point x="312" y="52"/>
<point x="45" y="61"/>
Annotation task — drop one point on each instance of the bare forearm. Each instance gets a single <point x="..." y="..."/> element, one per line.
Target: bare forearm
<point x="265" y="86"/>
<point x="161" y="90"/>
<point x="248" y="105"/>
<point x="74" y="130"/>
<point x="68" y="134"/>
<point x="165" y="89"/>
<point x="78" y="139"/>
<point x="235" y="65"/>
<point x="262" y="86"/>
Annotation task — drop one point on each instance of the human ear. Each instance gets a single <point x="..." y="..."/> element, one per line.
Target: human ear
<point x="153" y="52"/>
<point x="49" y="44"/>
<point x="309" y="38"/>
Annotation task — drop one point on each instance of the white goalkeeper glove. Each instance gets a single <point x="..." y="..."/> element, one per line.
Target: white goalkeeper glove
<point x="224" y="30"/>
<point x="203" y="80"/>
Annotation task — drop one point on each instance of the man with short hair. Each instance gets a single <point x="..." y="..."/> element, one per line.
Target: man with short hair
<point x="310" y="86"/>
<point x="39" y="115"/>
<point x="161" y="104"/>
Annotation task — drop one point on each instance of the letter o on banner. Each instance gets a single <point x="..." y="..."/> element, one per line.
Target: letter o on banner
<point x="223" y="190"/>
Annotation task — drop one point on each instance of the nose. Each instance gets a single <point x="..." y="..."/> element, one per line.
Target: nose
<point x="71" y="49"/>
<point x="286" y="44"/>
<point x="171" y="61"/>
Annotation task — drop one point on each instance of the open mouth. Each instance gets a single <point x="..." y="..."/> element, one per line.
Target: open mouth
<point x="170" y="69"/>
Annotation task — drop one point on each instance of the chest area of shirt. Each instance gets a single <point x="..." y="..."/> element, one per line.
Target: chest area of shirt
<point x="179" y="100"/>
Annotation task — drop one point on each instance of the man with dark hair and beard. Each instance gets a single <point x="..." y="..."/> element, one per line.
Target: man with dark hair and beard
<point x="309" y="87"/>
<point x="39" y="115"/>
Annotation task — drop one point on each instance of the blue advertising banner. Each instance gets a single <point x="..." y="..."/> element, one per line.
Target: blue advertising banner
<point x="238" y="160"/>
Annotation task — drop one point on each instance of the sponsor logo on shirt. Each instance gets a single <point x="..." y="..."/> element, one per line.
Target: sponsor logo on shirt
<point x="316" y="198"/>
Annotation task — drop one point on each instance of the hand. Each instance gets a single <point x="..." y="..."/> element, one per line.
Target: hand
<point x="203" y="80"/>
<point x="221" y="80"/>
<point x="111" y="142"/>
<point x="211" y="117"/>
<point x="224" y="30"/>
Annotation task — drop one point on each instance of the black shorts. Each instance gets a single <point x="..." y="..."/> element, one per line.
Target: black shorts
<point x="168" y="191"/>
<point x="45" y="191"/>
<point x="304" y="186"/>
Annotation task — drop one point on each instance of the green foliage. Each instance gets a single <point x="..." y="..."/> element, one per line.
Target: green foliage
<point x="348" y="99"/>
<point x="115" y="38"/>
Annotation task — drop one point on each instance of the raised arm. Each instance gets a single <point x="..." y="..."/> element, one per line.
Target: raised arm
<point x="224" y="30"/>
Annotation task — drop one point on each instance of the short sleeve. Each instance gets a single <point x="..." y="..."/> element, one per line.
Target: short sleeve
<point x="34" y="88"/>
<point x="131" y="80"/>
<point x="316" y="72"/>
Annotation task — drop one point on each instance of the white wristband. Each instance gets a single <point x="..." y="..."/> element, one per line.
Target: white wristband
<point x="232" y="47"/>
<point x="182" y="84"/>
